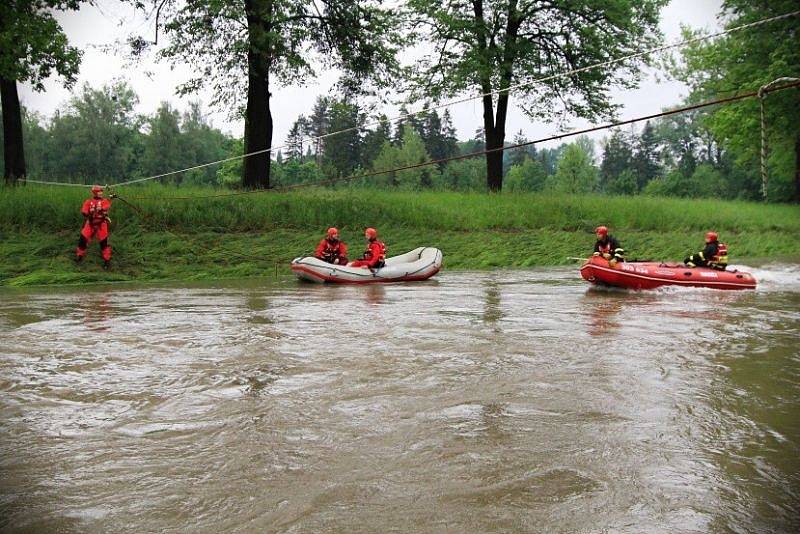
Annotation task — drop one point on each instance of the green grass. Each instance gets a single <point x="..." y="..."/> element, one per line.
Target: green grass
<point x="247" y="235"/>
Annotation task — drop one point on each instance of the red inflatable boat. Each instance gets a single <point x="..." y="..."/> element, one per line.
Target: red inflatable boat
<point x="647" y="275"/>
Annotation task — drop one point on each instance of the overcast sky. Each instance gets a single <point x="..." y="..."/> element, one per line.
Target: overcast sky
<point x="95" y="27"/>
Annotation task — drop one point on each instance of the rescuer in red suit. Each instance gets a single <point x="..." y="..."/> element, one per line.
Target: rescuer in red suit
<point x="95" y="212"/>
<point x="375" y="254"/>
<point x="331" y="249"/>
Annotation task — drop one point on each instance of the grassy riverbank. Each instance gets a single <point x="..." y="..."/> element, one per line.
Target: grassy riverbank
<point x="160" y="237"/>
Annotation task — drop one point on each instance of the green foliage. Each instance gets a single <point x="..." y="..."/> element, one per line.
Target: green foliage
<point x="201" y="143"/>
<point x="617" y="158"/>
<point x="747" y="60"/>
<point x="294" y="172"/>
<point x="33" y="45"/>
<point x="98" y="137"/>
<point x="229" y="173"/>
<point x="527" y="176"/>
<point x="518" y="156"/>
<point x="575" y="172"/>
<point x="342" y="152"/>
<point x="493" y="43"/>
<point x="462" y="175"/>
<point x="294" y="38"/>
<point x="490" y="45"/>
<point x="374" y="140"/>
<point x="439" y="135"/>
<point x="21" y="209"/>
<point x="162" y="150"/>
<point x="625" y="183"/>
<point x="705" y="182"/>
<point x="646" y="157"/>
<point x="410" y="152"/>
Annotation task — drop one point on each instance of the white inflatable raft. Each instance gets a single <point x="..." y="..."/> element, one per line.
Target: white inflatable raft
<point x="419" y="264"/>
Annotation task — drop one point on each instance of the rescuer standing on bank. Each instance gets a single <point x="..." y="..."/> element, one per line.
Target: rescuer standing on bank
<point x="95" y="213"/>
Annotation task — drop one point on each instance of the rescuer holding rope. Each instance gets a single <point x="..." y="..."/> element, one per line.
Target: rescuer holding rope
<point x="95" y="212"/>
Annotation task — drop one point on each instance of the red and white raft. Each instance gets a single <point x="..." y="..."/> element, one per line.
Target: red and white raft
<point x="418" y="264"/>
<point x="649" y="275"/>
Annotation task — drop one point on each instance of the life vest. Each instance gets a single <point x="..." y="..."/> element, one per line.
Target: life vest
<point x="368" y="252"/>
<point x="722" y="254"/>
<point x="605" y="248"/>
<point x="98" y="211"/>
<point x="332" y="250"/>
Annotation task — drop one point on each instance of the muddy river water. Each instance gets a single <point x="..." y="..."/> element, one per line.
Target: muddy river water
<point x="475" y="402"/>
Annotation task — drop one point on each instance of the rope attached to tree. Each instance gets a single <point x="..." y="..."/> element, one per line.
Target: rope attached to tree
<point x="762" y="95"/>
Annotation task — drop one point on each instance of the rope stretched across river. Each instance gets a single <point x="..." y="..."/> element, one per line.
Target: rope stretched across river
<point x="682" y="109"/>
<point x="506" y="90"/>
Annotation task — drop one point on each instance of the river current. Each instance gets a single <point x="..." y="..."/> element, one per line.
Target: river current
<point x="474" y="402"/>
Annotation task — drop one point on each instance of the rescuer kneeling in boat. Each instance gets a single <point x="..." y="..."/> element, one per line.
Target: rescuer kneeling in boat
<point x="607" y="246"/>
<point x="375" y="254"/>
<point x="95" y="212"/>
<point x="714" y="255"/>
<point x="331" y="249"/>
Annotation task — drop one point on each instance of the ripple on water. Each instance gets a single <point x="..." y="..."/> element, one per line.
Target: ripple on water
<point x="503" y="401"/>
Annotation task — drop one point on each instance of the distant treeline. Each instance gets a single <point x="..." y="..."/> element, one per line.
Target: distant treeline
<point x="98" y="137"/>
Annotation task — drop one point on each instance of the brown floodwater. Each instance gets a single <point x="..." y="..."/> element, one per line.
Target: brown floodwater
<point x="499" y="401"/>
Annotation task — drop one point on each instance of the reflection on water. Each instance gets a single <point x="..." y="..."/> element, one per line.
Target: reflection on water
<point x="492" y="310"/>
<point x="505" y="401"/>
<point x="601" y="307"/>
<point x="97" y="310"/>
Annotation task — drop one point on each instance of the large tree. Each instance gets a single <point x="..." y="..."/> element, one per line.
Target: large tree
<point x="33" y="46"/>
<point x="343" y="151"/>
<point x="244" y="49"/>
<point x="646" y="158"/>
<point x="747" y="60"/>
<point x="97" y="136"/>
<point x="617" y="158"/>
<point x="489" y="45"/>
<point x="576" y="173"/>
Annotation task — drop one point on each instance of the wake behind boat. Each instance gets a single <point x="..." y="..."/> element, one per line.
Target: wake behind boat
<point x="418" y="264"/>
<point x="649" y="275"/>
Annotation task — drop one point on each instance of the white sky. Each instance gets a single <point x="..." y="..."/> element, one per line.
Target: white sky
<point x="108" y="21"/>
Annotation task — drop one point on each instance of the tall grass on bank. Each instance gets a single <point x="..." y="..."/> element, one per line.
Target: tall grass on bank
<point x="249" y="235"/>
<point x="57" y="208"/>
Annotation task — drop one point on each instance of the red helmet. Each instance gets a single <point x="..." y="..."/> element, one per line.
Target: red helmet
<point x="333" y="233"/>
<point x="97" y="189"/>
<point x="711" y="236"/>
<point x="371" y="233"/>
<point x="602" y="230"/>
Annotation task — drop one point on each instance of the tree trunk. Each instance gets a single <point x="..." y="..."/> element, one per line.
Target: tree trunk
<point x="14" y="153"/>
<point x="494" y="160"/>
<point x="495" y="134"/>
<point x="495" y="126"/>
<point x="258" y="116"/>
<point x="797" y="169"/>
